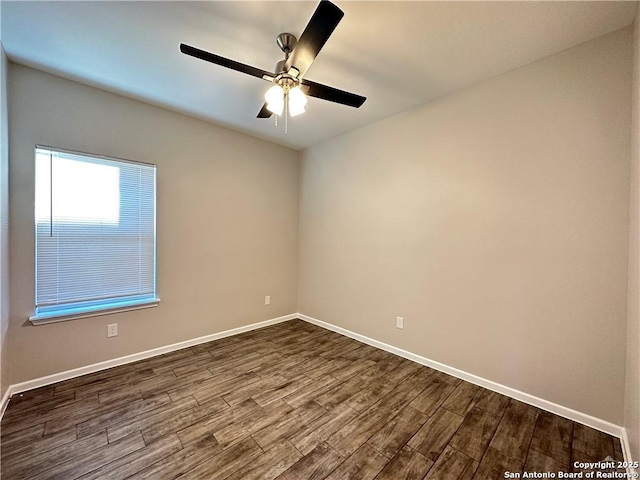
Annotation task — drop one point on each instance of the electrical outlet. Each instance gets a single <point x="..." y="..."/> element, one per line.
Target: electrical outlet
<point x="112" y="330"/>
<point x="400" y="323"/>
<point x="267" y="300"/>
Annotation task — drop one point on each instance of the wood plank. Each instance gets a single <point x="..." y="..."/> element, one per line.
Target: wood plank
<point x="617" y="450"/>
<point x="226" y="462"/>
<point x="341" y="392"/>
<point x="552" y="437"/>
<point x="453" y="465"/>
<point x="119" y="382"/>
<point x="384" y="366"/>
<point x="288" y="366"/>
<point x="170" y="357"/>
<point x="515" y="430"/>
<point x="580" y="461"/>
<point x="214" y="344"/>
<point x="156" y="416"/>
<point x="17" y="408"/>
<point x="406" y="369"/>
<point x="32" y="446"/>
<point x="22" y="466"/>
<point x="200" y="365"/>
<point x="269" y="465"/>
<point x="260" y="361"/>
<point x="339" y="350"/>
<point x="328" y="368"/>
<point x="406" y="465"/>
<point x="432" y="397"/>
<point x="406" y="391"/>
<point x="181" y="462"/>
<point x="354" y="434"/>
<point x="369" y="395"/>
<point x="251" y="424"/>
<point x="540" y="463"/>
<point x="311" y="391"/>
<point x="154" y="427"/>
<point x="595" y="444"/>
<point x="41" y="416"/>
<point x="207" y="393"/>
<point x="495" y="465"/>
<point x="22" y="437"/>
<point x="227" y="363"/>
<point x="187" y="360"/>
<point x="288" y="425"/>
<point x="184" y="391"/>
<point x="33" y="395"/>
<point x="109" y="376"/>
<point x="352" y="369"/>
<point x="92" y="460"/>
<point x="136" y="461"/>
<point x="245" y="392"/>
<point x="137" y="409"/>
<point x="463" y="398"/>
<point x="396" y="433"/>
<point x="474" y="435"/>
<point x="362" y="352"/>
<point x="311" y="366"/>
<point x="205" y="427"/>
<point x="364" y="464"/>
<point x="316" y="465"/>
<point x="492" y="402"/>
<point x="64" y="417"/>
<point x="320" y="429"/>
<point x="273" y="394"/>
<point x="153" y="386"/>
<point x="444" y="377"/>
<point x="434" y="435"/>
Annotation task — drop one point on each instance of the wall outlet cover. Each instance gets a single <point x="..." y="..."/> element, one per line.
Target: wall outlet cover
<point x="112" y="330"/>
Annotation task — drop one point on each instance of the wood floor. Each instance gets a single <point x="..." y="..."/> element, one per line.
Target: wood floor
<point x="289" y="402"/>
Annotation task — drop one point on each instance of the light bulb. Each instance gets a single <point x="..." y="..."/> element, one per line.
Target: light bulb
<point x="297" y="101"/>
<point x="275" y="99"/>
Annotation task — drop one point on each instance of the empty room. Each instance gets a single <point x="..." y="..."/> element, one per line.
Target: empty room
<point x="342" y="240"/>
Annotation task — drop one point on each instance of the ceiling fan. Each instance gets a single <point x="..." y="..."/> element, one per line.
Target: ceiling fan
<point x="288" y="94"/>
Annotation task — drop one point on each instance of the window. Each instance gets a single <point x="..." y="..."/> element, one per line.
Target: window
<point x="95" y="235"/>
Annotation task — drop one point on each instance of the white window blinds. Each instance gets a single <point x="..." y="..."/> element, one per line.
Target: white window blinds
<point x="95" y="233"/>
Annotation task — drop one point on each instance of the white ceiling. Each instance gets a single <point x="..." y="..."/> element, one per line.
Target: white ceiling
<point x="398" y="54"/>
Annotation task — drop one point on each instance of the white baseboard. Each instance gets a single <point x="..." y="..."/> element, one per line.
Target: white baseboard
<point x="4" y="402"/>
<point x="626" y="452"/>
<point x="565" y="412"/>
<point x="96" y="367"/>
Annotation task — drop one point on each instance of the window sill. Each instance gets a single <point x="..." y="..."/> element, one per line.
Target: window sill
<point x="63" y="316"/>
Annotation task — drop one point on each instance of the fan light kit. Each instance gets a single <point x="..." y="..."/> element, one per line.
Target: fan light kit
<point x="289" y="93"/>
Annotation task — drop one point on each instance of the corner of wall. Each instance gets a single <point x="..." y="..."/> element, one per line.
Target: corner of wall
<point x="632" y="374"/>
<point x="4" y="213"/>
<point x="300" y="154"/>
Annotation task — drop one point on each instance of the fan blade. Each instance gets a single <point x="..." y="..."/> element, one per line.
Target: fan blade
<point x="331" y="94"/>
<point x="322" y="24"/>
<point x="264" y="112"/>
<point x="225" y="62"/>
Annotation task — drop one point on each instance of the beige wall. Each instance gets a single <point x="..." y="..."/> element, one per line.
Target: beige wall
<point x="226" y="222"/>
<point x="4" y="214"/>
<point x="632" y="392"/>
<point x="494" y="221"/>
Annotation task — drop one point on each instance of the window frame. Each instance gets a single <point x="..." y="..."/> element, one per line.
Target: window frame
<point x="106" y="307"/>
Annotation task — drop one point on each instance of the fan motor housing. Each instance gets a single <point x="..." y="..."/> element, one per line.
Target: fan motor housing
<point x="286" y="42"/>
